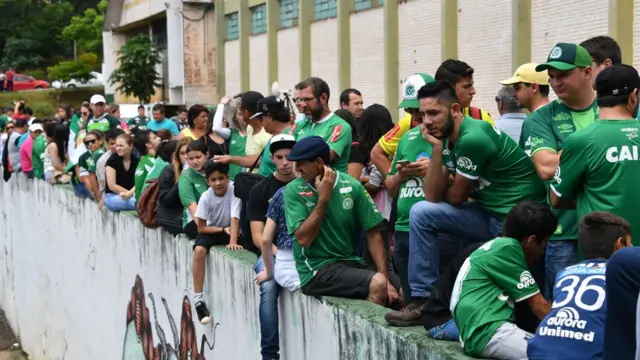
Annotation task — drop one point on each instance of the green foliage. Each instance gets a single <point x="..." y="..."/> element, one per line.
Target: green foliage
<point x="137" y="75"/>
<point x="92" y="59"/>
<point x="21" y="53"/>
<point x="67" y="70"/>
<point x="36" y="73"/>
<point x="86" y="29"/>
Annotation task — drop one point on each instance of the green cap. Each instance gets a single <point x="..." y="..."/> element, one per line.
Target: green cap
<point x="410" y="90"/>
<point x="565" y="56"/>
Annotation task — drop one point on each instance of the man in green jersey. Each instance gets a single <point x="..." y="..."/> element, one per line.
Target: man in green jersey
<point x="139" y="122"/>
<point x="146" y="142"/>
<point x="323" y="208"/>
<point x="86" y="167"/>
<point x="275" y="119"/>
<point x="313" y="97"/>
<point x="569" y="68"/>
<point x="600" y="166"/>
<point x="485" y="163"/>
<point x="495" y="277"/>
<point x="101" y="120"/>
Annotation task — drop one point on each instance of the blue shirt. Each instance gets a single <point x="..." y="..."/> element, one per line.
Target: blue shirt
<point x="574" y="329"/>
<point x="154" y="125"/>
<point x="511" y="124"/>
<point x="22" y="138"/>
<point x="283" y="241"/>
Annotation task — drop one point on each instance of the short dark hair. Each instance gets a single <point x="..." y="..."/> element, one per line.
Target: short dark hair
<point x="166" y="150"/>
<point x="36" y="121"/>
<point x="97" y="133"/>
<point x="249" y="101"/>
<point x="602" y="48"/>
<point x="28" y="111"/>
<point x="182" y="110"/>
<point x="198" y="145"/>
<point x="194" y="112"/>
<point x="318" y="86"/>
<point x="544" y="89"/>
<point x="346" y="94"/>
<point x="453" y="71"/>
<point x="114" y="133"/>
<point x="530" y="218"/>
<point x="210" y="167"/>
<point x="158" y="107"/>
<point x="20" y="123"/>
<point x="597" y="233"/>
<point x="140" y="140"/>
<point x="442" y="90"/>
<point x="141" y="107"/>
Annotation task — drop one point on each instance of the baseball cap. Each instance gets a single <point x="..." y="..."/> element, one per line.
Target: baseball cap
<point x="566" y="56"/>
<point x="96" y="99"/>
<point x="249" y="101"/>
<point x="309" y="148"/>
<point x="281" y="141"/>
<point x="269" y="105"/>
<point x="410" y="89"/>
<point x="617" y="80"/>
<point x="527" y="73"/>
<point x="36" y="127"/>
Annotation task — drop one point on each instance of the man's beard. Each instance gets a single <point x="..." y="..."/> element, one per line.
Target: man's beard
<point x="316" y="113"/>
<point x="447" y="129"/>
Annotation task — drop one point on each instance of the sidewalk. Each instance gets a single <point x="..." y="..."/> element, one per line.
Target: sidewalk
<point x="7" y="339"/>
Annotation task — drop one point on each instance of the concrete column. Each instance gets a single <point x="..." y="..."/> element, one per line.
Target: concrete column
<point x="244" y="31"/>
<point x="273" y="25"/>
<point x="221" y="31"/>
<point x="391" y="57"/>
<point x="621" y="15"/>
<point x="305" y="16"/>
<point x="520" y="33"/>
<point x="344" y="44"/>
<point x="448" y="29"/>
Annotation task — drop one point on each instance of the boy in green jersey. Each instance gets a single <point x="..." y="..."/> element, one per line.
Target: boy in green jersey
<point x="495" y="277"/>
<point x="600" y="165"/>
<point x="324" y="209"/>
<point x="146" y="142"/>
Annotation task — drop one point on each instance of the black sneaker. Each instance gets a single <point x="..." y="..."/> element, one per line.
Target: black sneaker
<point x="203" y="313"/>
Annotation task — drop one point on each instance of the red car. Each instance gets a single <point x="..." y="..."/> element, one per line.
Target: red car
<point x="26" y="82"/>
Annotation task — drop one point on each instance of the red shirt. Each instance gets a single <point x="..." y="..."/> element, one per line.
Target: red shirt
<point x="10" y="75"/>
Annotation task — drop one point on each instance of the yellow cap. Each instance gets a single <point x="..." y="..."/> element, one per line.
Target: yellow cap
<point x="527" y="74"/>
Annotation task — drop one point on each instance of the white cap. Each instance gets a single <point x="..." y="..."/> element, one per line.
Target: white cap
<point x="36" y="127"/>
<point x="281" y="141"/>
<point x="97" y="98"/>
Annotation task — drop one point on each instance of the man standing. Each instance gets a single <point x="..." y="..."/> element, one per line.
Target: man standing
<point x="140" y="121"/>
<point x="511" y="113"/>
<point x="9" y="78"/>
<point x="101" y="120"/>
<point x="26" y="148"/>
<point x="13" y="150"/>
<point x="604" y="52"/>
<point x="351" y="100"/>
<point x="159" y="122"/>
<point x="569" y="68"/>
<point x="181" y="119"/>
<point x="313" y="96"/>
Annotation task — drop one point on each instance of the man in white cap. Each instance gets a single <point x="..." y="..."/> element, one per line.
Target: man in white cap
<point x="101" y="120"/>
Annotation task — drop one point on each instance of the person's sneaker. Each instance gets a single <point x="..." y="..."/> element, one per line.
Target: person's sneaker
<point x="409" y="315"/>
<point x="203" y="313"/>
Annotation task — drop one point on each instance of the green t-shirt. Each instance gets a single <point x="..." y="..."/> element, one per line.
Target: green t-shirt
<point x="412" y="147"/>
<point x="103" y="123"/>
<point x="237" y="144"/>
<point x="600" y="167"/>
<point x="4" y="119"/>
<point x="87" y="161"/>
<point x="504" y="173"/>
<point x="154" y="173"/>
<point x="267" y="167"/>
<point x="489" y="282"/>
<point x="548" y="129"/>
<point x="350" y="208"/>
<point x="144" y="166"/>
<point x="335" y="131"/>
<point x="191" y="185"/>
<point x="139" y="122"/>
<point x="37" y="156"/>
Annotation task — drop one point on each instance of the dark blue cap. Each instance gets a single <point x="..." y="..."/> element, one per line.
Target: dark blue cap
<point x="309" y="148"/>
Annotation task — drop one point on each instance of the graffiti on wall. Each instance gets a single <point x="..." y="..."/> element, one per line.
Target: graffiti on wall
<point x="139" y="342"/>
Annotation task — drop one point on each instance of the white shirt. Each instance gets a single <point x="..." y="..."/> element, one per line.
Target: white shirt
<point x="218" y="210"/>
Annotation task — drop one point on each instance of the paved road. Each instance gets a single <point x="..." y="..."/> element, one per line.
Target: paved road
<point x="7" y="339"/>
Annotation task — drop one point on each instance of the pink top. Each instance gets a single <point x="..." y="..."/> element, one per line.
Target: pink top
<point x="25" y="154"/>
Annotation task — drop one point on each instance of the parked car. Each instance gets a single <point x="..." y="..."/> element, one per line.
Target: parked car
<point x="26" y="82"/>
<point x="96" y="80"/>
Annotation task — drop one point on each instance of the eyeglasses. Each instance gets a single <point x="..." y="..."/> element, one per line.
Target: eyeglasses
<point x="10" y="128"/>
<point x="301" y="100"/>
<point x="84" y="113"/>
<point x="90" y="142"/>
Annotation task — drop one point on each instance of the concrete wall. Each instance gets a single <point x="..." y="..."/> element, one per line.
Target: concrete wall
<point x="324" y="50"/>
<point x="199" y="56"/>
<point x="77" y="283"/>
<point x="367" y="55"/>
<point x="232" y="66"/>
<point x="137" y="10"/>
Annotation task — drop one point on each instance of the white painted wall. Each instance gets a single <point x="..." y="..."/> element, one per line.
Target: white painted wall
<point x="367" y="55"/>
<point x="324" y="56"/>
<point x="232" y="67"/>
<point x="288" y="58"/>
<point x="67" y="275"/>
<point x="258" y="64"/>
<point x="136" y="10"/>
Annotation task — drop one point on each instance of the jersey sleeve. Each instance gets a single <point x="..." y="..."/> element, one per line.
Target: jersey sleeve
<point x="525" y="136"/>
<point x="508" y="269"/>
<point x="114" y="123"/>
<point x="185" y="190"/>
<point x="399" y="155"/>
<point x="572" y="167"/>
<point x="203" y="206"/>
<point x="340" y="139"/>
<point x="368" y="214"/>
<point x="295" y="209"/>
<point x="389" y="142"/>
<point x="473" y="152"/>
<point x="542" y="137"/>
<point x="94" y="157"/>
<point x="83" y="168"/>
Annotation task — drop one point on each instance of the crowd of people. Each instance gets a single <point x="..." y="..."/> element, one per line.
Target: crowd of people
<point x="493" y="233"/>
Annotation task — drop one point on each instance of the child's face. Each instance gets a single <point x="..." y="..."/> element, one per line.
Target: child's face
<point x="219" y="182"/>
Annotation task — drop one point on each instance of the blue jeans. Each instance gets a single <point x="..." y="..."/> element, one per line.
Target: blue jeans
<point x="401" y="261"/>
<point x="114" y="203"/>
<point x="268" y="312"/>
<point x="81" y="191"/>
<point x="447" y="331"/>
<point x="466" y="224"/>
<point x="560" y="254"/>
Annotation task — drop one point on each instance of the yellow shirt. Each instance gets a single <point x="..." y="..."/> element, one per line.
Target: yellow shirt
<point x="188" y="134"/>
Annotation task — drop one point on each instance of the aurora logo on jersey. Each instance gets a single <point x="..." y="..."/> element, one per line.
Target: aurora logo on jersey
<point x="622" y="153"/>
<point x="412" y="188"/>
<point x="526" y="280"/>
<point x="466" y="164"/>
<point x="556" y="176"/>
<point x="561" y="117"/>
<point x="566" y="324"/>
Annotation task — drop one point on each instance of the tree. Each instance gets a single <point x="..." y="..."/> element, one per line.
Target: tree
<point x="68" y="70"/>
<point x="137" y="74"/>
<point x="86" y="29"/>
<point x="21" y="53"/>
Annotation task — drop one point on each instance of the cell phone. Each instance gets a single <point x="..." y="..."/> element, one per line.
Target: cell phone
<point x="403" y="162"/>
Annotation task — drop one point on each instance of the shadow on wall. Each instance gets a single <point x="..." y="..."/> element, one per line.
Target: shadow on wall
<point x="139" y="341"/>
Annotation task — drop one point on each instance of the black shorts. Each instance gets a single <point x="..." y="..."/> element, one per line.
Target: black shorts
<point x="208" y="241"/>
<point x="347" y="279"/>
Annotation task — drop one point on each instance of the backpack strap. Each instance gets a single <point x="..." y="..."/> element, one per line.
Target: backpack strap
<point x="475" y="113"/>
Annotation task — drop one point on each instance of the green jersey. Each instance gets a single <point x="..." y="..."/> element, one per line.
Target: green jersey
<point x="37" y="156"/>
<point x="335" y="131"/>
<point x="4" y="119"/>
<point x="600" y="167"/>
<point x="350" y="209"/>
<point x="87" y="161"/>
<point x="504" y="173"/>
<point x="103" y="123"/>
<point x="144" y="166"/>
<point x="489" y="282"/>
<point x="237" y="145"/>
<point x="549" y="128"/>
<point x="267" y="167"/>
<point x="191" y="186"/>
<point x="412" y="147"/>
<point x="154" y="173"/>
<point x="138" y="122"/>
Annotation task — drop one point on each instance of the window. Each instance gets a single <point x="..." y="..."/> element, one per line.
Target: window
<point x="232" y="26"/>
<point x="362" y="4"/>
<point x="259" y="19"/>
<point x="288" y="13"/>
<point x="325" y="9"/>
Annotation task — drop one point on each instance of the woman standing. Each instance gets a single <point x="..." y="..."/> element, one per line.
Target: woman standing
<point x="197" y="121"/>
<point x="236" y="133"/>
<point x="121" y="168"/>
<point x="56" y="156"/>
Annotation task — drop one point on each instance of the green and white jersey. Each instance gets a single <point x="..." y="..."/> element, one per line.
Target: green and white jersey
<point x="104" y="123"/>
<point x="87" y="161"/>
<point x="138" y="122"/>
<point x="504" y="173"/>
<point x="350" y="209"/>
<point x="237" y="146"/>
<point x="267" y="167"/>
<point x="600" y="167"/>
<point x="335" y="131"/>
<point x="144" y="167"/>
<point x="490" y="281"/>
<point x="37" y="156"/>
<point x="191" y="186"/>
<point x="412" y="147"/>
<point x="548" y="129"/>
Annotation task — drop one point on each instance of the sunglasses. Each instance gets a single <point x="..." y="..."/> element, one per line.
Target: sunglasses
<point x="90" y="142"/>
<point x="84" y="113"/>
<point x="10" y="127"/>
